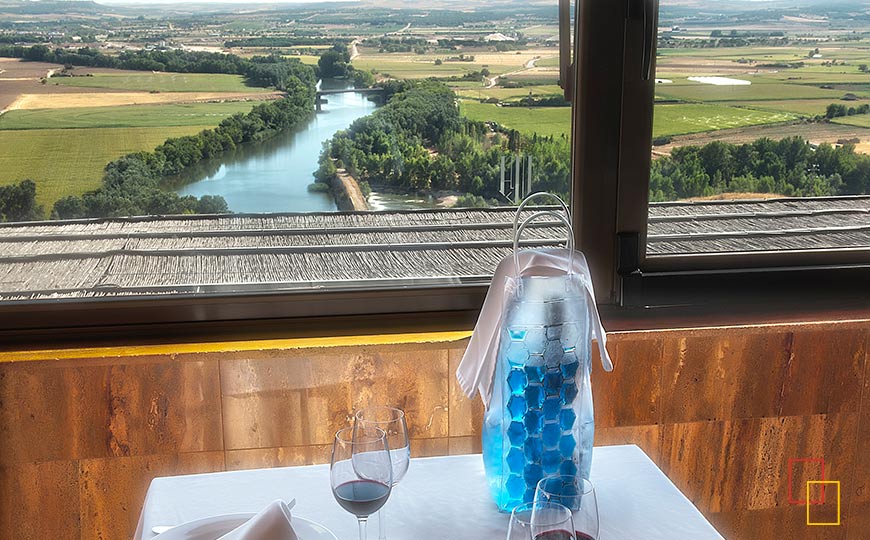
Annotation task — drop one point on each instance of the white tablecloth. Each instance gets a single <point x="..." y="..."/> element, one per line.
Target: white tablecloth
<point x="439" y="498"/>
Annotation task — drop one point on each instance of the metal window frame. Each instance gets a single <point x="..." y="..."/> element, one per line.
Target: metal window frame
<point x="613" y="134"/>
<point x="611" y="137"/>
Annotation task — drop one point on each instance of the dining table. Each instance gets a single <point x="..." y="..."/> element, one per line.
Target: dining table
<point x="439" y="498"/>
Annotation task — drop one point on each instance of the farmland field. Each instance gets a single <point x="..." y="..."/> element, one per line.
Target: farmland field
<point x="693" y="118"/>
<point x="805" y="107"/>
<point x="510" y="93"/>
<point x="162" y="82"/>
<point x="116" y="99"/>
<point x="541" y="120"/>
<point x="693" y="91"/>
<point x="71" y="161"/>
<point x="669" y="119"/>
<point x="861" y="120"/>
<point x="415" y="66"/>
<point x="187" y="114"/>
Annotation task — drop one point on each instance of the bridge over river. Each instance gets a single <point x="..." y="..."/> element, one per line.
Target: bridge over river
<point x="321" y="100"/>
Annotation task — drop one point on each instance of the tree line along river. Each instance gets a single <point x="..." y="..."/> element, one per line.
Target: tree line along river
<point x="273" y="175"/>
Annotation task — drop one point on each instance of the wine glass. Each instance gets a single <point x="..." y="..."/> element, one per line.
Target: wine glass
<point x="577" y="494"/>
<point x="360" y="472"/>
<point x="541" y="520"/>
<point x="392" y="422"/>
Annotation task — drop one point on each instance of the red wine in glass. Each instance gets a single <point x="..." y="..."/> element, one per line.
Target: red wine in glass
<point x="563" y="535"/>
<point x="362" y="497"/>
<point x="555" y="535"/>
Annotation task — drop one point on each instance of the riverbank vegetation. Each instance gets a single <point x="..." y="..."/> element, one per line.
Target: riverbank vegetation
<point x="791" y="167"/>
<point x="419" y="142"/>
<point x="134" y="184"/>
<point x="271" y="71"/>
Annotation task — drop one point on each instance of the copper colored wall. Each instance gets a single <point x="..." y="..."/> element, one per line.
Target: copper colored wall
<point x="721" y="411"/>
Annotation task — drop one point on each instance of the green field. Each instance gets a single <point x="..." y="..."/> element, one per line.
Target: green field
<point x="510" y="94"/>
<point x="162" y="82"/>
<point x="543" y="120"/>
<point x="413" y="70"/>
<point x="175" y="114"/>
<point x="697" y="118"/>
<point x="548" y="62"/>
<point x="71" y="161"/>
<point x="805" y="107"/>
<point x="859" y="120"/>
<point x="669" y="119"/>
<point x="757" y="91"/>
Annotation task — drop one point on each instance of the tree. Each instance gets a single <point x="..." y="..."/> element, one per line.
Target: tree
<point x="334" y="62"/>
<point x="862" y="68"/>
<point x="835" y="110"/>
<point x="18" y="202"/>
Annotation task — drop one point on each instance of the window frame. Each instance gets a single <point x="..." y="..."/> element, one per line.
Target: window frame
<point x="611" y="140"/>
<point x="615" y="237"/>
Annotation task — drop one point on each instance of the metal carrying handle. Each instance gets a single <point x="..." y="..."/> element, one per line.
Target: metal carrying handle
<point x="569" y="244"/>
<point x="534" y="196"/>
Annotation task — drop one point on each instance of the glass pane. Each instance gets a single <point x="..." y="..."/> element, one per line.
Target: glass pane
<point x="249" y="134"/>
<point x="761" y="138"/>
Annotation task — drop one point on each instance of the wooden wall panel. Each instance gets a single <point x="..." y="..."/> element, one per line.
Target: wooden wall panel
<point x="40" y="500"/>
<point x="731" y="375"/>
<point x="720" y="411"/>
<point x="824" y="373"/>
<point x="112" y="490"/>
<point x="630" y="395"/>
<point x="465" y="414"/>
<point x="77" y="410"/>
<point x="297" y="398"/>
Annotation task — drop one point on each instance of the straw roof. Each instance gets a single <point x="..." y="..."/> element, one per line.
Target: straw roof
<point x="163" y="255"/>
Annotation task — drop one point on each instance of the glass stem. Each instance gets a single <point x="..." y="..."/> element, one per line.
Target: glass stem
<point x="382" y="525"/>
<point x="362" y="528"/>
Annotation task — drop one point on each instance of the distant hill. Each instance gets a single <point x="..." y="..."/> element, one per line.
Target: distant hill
<point x="49" y="7"/>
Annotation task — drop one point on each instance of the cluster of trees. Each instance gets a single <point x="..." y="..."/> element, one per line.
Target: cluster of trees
<point x="21" y="38"/>
<point x="18" y="202"/>
<point x="134" y="184"/>
<point x="790" y="167"/>
<point x="279" y="41"/>
<point x="544" y="101"/>
<point x="335" y="64"/>
<point x="836" y="110"/>
<point x="402" y="45"/>
<point x="732" y="34"/>
<point x="419" y="142"/>
<point x="266" y="71"/>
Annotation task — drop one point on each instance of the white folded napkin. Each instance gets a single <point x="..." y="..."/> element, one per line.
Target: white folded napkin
<point x="476" y="370"/>
<point x="272" y="523"/>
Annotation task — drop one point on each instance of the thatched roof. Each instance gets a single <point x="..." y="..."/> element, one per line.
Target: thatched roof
<point x="155" y="255"/>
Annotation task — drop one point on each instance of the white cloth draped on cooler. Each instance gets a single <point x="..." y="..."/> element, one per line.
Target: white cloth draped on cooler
<point x="476" y="370"/>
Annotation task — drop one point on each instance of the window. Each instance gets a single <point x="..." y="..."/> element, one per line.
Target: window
<point x="752" y="165"/>
<point x="163" y="161"/>
<point x="183" y="116"/>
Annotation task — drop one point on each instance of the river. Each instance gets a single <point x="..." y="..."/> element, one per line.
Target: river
<point x="273" y="175"/>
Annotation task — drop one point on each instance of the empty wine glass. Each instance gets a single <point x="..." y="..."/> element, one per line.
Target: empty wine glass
<point x="360" y="472"/>
<point x="577" y="494"/>
<point x="392" y="422"/>
<point x="541" y="520"/>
